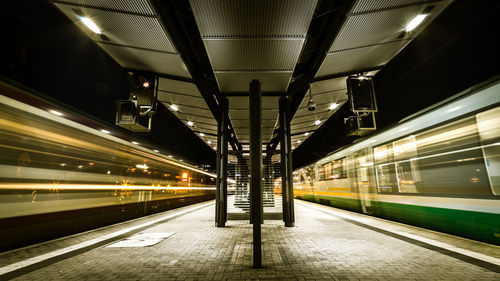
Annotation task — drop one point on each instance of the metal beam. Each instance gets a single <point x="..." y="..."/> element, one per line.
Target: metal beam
<point x="221" y="167"/>
<point x="256" y="210"/>
<point x="286" y="164"/>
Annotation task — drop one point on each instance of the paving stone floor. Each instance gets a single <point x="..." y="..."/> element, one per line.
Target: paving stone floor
<point x="320" y="247"/>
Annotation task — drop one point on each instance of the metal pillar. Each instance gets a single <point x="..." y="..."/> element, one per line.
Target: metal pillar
<point x="286" y="164"/>
<point x="221" y="180"/>
<point x="256" y="209"/>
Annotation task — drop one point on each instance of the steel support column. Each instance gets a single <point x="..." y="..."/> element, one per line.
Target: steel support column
<point x="286" y="163"/>
<point x="221" y="167"/>
<point x="256" y="210"/>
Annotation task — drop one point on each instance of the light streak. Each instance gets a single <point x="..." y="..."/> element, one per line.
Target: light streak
<point x="48" y="186"/>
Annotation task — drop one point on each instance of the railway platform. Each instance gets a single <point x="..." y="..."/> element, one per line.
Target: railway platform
<point x="325" y="244"/>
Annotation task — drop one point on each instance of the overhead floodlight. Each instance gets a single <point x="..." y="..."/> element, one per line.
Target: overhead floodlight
<point x="91" y="25"/>
<point x="174" y="107"/>
<point x="190" y="123"/>
<point x="415" y="22"/>
<point x="142" y="166"/>
<point x="55" y="112"/>
<point x="333" y="106"/>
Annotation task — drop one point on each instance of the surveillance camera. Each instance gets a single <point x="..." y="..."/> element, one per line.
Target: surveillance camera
<point x="311" y="105"/>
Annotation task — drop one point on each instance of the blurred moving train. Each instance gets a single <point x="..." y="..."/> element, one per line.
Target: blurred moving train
<point x="58" y="176"/>
<point x="438" y="169"/>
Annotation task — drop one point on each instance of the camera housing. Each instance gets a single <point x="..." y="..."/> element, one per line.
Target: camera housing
<point x="311" y="105"/>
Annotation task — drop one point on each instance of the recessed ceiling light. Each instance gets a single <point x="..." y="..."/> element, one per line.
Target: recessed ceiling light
<point x="202" y="134"/>
<point x="317" y="122"/>
<point x="156" y="150"/>
<point x="293" y="147"/>
<point x="190" y="123"/>
<point x="170" y="156"/>
<point x="174" y="107"/>
<point x="209" y="142"/>
<point x="91" y="25"/>
<point x="306" y="134"/>
<point x="333" y="106"/>
<point x="454" y="109"/>
<point x="55" y="112"/>
<point x="105" y="131"/>
<point x="299" y="141"/>
<point x="134" y="142"/>
<point x="415" y="22"/>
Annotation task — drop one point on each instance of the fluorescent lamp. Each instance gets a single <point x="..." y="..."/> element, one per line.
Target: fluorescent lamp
<point x="415" y="22"/>
<point x="91" y="25"/>
<point x="55" y="112"/>
<point x="174" y="107"/>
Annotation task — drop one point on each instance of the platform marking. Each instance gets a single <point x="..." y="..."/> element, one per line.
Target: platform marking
<point x="37" y="259"/>
<point x="432" y="242"/>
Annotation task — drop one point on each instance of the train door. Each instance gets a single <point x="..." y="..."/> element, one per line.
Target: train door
<point x="363" y="162"/>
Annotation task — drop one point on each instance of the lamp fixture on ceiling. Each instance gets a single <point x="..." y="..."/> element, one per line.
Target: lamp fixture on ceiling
<point x="311" y="105"/>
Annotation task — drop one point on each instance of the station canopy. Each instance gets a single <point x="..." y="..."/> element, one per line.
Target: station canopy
<point x="207" y="50"/>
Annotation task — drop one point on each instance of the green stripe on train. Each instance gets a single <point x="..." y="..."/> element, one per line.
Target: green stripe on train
<point x="474" y="225"/>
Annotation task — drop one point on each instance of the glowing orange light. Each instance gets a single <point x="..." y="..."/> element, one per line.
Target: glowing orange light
<point x="184" y="176"/>
<point x="91" y="164"/>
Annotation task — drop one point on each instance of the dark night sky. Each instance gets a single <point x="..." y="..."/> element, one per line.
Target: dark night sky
<point x="47" y="52"/>
<point x="50" y="54"/>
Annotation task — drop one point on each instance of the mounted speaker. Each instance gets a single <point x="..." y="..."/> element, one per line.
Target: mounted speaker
<point x="361" y="94"/>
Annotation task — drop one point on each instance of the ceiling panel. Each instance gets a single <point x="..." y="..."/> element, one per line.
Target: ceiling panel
<point x="253" y="18"/>
<point x="367" y="29"/>
<point x="130" y="6"/>
<point x="363" y="6"/>
<point x="240" y="81"/>
<point x="123" y="29"/>
<point x="246" y="54"/>
<point x="357" y="59"/>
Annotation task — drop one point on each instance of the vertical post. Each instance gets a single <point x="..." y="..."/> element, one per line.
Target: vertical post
<point x="286" y="164"/>
<point x="221" y="167"/>
<point x="255" y="101"/>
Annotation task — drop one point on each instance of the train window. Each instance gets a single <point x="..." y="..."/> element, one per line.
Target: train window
<point x="338" y="169"/>
<point x="385" y="169"/>
<point x="488" y="125"/>
<point x="405" y="152"/>
<point x="321" y="172"/>
<point x="451" y="160"/>
<point x="328" y="171"/>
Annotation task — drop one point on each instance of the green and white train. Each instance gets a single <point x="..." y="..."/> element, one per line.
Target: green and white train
<point x="438" y="169"/>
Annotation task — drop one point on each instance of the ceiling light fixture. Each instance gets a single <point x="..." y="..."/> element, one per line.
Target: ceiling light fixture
<point x="55" y="112"/>
<point x="91" y="25"/>
<point x="416" y="21"/>
<point x="306" y="134"/>
<point x="174" y="107"/>
<point x="311" y="105"/>
<point x="333" y="106"/>
<point x="190" y="123"/>
<point x="317" y="122"/>
<point x="299" y="141"/>
<point x="209" y="142"/>
<point x="134" y="142"/>
<point x="202" y="134"/>
<point x="156" y="150"/>
<point x="105" y="131"/>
